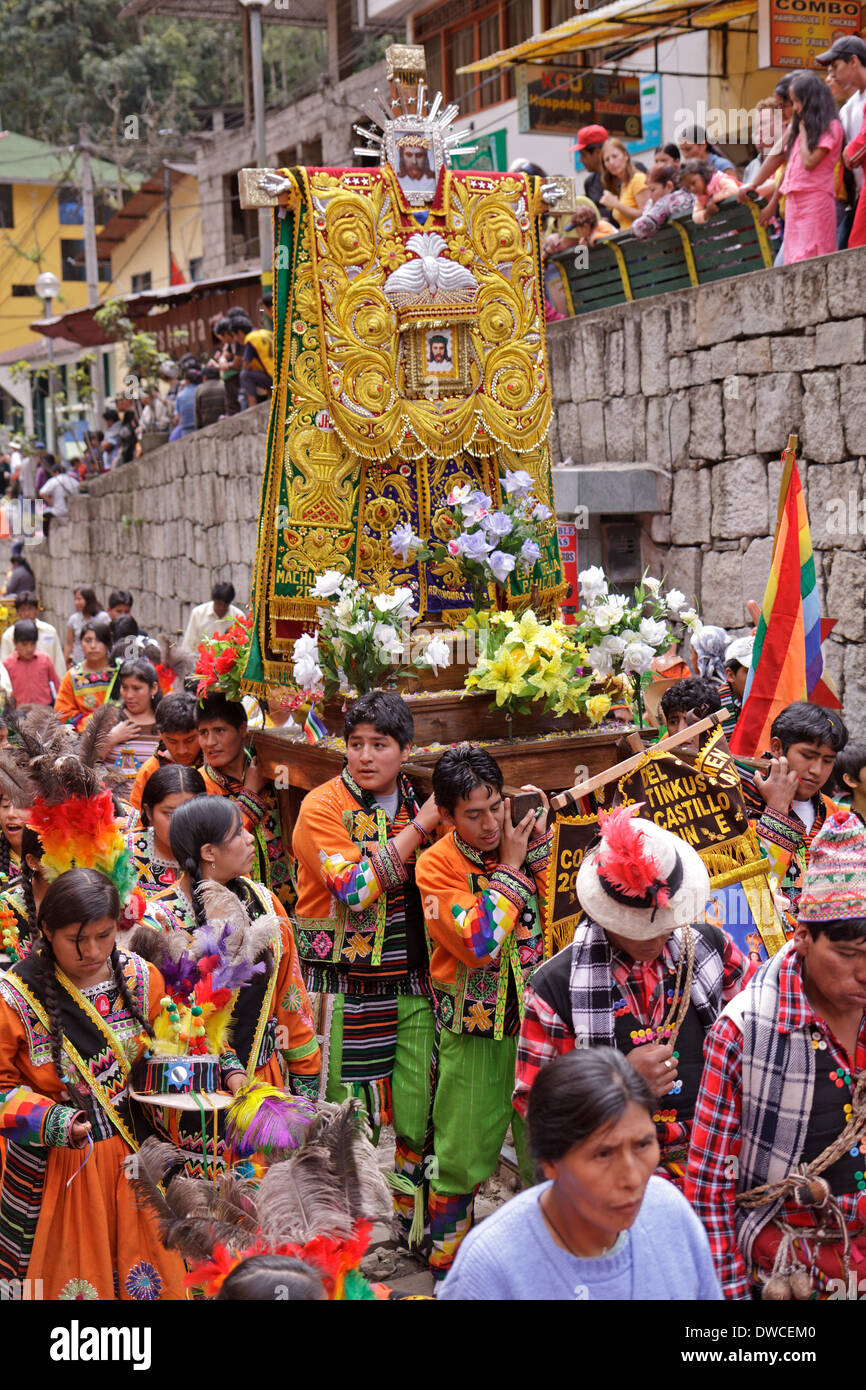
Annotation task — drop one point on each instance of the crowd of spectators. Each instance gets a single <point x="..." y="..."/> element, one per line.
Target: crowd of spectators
<point x="809" y="139"/>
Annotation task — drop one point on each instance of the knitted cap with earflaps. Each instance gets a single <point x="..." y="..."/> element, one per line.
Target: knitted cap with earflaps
<point x="834" y="884"/>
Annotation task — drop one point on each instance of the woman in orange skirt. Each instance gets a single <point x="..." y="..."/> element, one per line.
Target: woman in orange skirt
<point x="71" y="1017"/>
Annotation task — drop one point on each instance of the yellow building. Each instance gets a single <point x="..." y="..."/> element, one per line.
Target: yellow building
<point x="136" y="240"/>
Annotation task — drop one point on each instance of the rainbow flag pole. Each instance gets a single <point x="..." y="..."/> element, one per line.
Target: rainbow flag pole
<point x="314" y="729"/>
<point x="787" y="663"/>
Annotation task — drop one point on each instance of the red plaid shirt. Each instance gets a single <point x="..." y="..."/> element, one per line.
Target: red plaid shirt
<point x="544" y="1035"/>
<point x="711" y="1181"/>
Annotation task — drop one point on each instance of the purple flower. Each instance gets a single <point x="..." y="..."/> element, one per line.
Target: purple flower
<point x="540" y="512"/>
<point x="498" y="524"/>
<point x="475" y="547"/>
<point x="501" y="565"/>
<point x="519" y="481"/>
<point x="530" y="552"/>
<point x="403" y="540"/>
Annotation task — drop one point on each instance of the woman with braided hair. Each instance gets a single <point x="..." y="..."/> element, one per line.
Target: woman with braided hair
<point x="19" y="905"/>
<point x="72" y="1016"/>
<point x="272" y="1034"/>
<point x="13" y="819"/>
<point x="168" y="788"/>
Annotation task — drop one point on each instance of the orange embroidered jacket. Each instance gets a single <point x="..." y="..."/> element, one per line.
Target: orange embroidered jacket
<point x="486" y="922"/>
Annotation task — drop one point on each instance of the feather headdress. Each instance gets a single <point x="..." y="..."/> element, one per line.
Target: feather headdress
<point x="318" y="1205"/>
<point x="623" y="862"/>
<point x="67" y="783"/>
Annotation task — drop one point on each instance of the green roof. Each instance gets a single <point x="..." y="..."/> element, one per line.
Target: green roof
<point x="23" y="160"/>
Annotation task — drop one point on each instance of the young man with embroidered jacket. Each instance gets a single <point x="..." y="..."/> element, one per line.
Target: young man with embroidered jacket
<point x="482" y="887"/>
<point x="622" y="981"/>
<point x="360" y="933"/>
<point x="781" y="1069"/>
<point x="788" y="805"/>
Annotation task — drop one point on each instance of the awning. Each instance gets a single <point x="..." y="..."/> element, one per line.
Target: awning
<point x="150" y="195"/>
<point x="80" y="326"/>
<point x="623" y="22"/>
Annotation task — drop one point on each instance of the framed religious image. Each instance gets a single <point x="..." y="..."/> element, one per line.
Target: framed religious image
<point x="437" y="360"/>
<point x="416" y="157"/>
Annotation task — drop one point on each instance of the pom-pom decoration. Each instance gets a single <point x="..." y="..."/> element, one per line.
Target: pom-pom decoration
<point x="622" y="860"/>
<point x="263" y="1118"/>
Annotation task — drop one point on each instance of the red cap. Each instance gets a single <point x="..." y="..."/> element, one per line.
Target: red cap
<point x="590" y="135"/>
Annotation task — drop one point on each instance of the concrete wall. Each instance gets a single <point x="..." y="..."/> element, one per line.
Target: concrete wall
<point x="700" y="389"/>
<point x="166" y="527"/>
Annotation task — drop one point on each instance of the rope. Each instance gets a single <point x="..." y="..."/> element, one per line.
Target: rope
<point x="805" y="1185"/>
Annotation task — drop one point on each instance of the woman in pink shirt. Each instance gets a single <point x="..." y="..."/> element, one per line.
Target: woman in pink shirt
<point x="809" y="185"/>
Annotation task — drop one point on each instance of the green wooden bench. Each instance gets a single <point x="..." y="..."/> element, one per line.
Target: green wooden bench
<point x="683" y="253"/>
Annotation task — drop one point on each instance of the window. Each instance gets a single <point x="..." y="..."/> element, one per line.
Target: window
<point x="243" y="223"/>
<point x="463" y="31"/>
<point x="72" y="265"/>
<point x="6" y="205"/>
<point x="23" y="291"/>
<point x="195" y="268"/>
<point x="141" y="282"/>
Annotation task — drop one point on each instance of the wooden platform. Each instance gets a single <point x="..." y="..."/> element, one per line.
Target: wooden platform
<point x="552" y="763"/>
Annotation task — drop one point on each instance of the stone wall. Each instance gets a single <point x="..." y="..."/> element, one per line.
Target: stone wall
<point x="703" y="388"/>
<point x="166" y="527"/>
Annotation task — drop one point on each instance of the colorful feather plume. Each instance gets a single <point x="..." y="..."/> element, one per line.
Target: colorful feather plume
<point x="622" y="860"/>
<point x="82" y="832"/>
<point x="265" y="1118"/>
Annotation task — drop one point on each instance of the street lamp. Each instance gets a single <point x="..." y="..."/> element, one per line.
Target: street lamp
<point x="255" y="7"/>
<point x="48" y="288"/>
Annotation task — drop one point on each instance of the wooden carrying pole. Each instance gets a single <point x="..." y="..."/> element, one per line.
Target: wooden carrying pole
<point x="613" y="774"/>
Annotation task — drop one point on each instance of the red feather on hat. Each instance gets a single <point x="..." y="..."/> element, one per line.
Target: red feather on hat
<point x="622" y="860"/>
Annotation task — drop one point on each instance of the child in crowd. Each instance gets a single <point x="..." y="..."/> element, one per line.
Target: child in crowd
<point x="788" y="804"/>
<point x="708" y="186"/>
<point x="482" y="887"/>
<point x="34" y="679"/>
<point x="178" y="741"/>
<point x="850" y="784"/>
<point x="667" y="198"/>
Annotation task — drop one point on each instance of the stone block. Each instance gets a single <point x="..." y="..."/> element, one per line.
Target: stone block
<point x="795" y="354"/>
<point x="846" y="586"/>
<point x="822" y="439"/>
<point x="739" y="498"/>
<point x="839" y="341"/>
<point x="700" y="368"/>
<point x="738" y="398"/>
<point x="778" y="411"/>
<point x="558" y="362"/>
<point x="723" y="359"/>
<point x="653" y="349"/>
<point x="706" y="437"/>
<point x="683" y="572"/>
<point x="837" y="506"/>
<point x="854" y="686"/>
<point x="852" y="387"/>
<point x="753" y="356"/>
<point x="761" y="307"/>
<point x="556" y="451"/>
<point x="717" y="307"/>
<point x="631" y="354"/>
<point x="845" y="281"/>
<point x="591" y="432"/>
<point x="623" y="428"/>
<point x="804" y="293"/>
<point x="681" y="320"/>
<point x="722" y="588"/>
<point x="568" y="425"/>
<point x="660" y="530"/>
<point x="755" y="563"/>
<point x="680" y="373"/>
<point x="593" y="336"/>
<point x="614" y="363"/>
<point x="576" y="371"/>
<point x="690" y="507"/>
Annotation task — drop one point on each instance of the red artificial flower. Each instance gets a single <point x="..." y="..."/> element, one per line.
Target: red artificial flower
<point x="225" y="662"/>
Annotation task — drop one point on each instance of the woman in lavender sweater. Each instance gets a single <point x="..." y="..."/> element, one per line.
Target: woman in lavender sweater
<point x="601" y="1226"/>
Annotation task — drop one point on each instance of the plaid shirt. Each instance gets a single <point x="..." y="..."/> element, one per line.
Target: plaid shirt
<point x="545" y="1034"/>
<point x="711" y="1182"/>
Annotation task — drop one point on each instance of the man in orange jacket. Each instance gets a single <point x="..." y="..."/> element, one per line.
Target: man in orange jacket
<point x="482" y="886"/>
